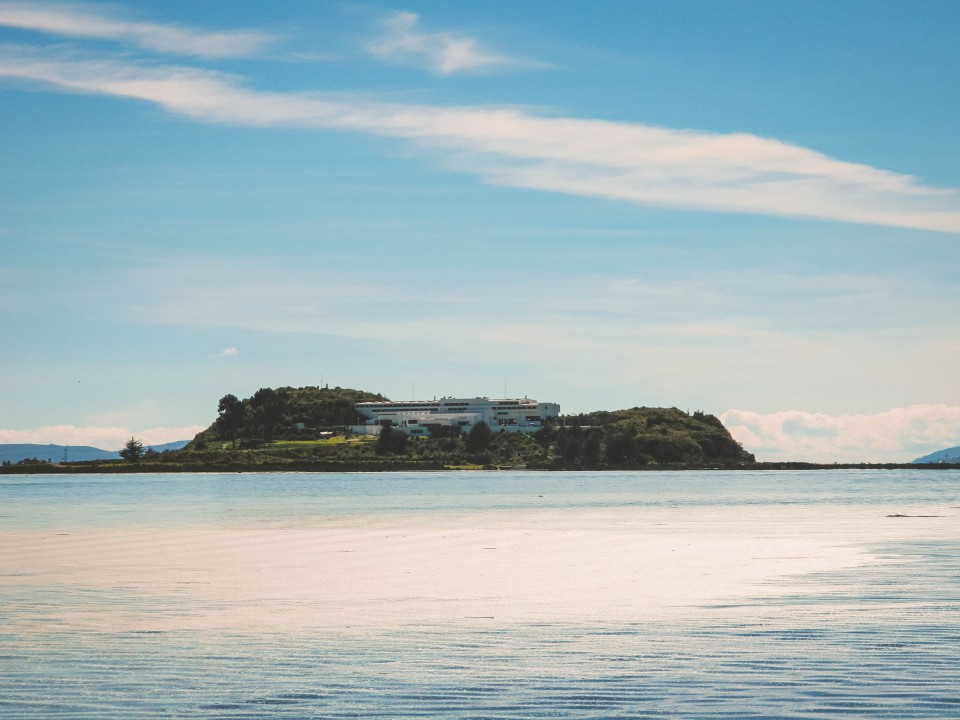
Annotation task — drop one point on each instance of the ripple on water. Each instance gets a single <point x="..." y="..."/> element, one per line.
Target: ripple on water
<point x="869" y="640"/>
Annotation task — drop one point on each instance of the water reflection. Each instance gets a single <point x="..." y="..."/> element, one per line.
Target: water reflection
<point x="471" y="596"/>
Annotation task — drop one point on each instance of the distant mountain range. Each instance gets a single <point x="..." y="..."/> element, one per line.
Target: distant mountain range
<point x="950" y="455"/>
<point x="15" y="452"/>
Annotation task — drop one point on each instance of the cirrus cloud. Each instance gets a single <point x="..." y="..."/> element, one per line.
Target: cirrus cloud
<point x="402" y="41"/>
<point x="79" y="21"/>
<point x="631" y="162"/>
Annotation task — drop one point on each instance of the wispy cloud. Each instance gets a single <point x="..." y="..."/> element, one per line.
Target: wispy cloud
<point x="600" y="332"/>
<point x="622" y="161"/>
<point x="81" y="21"/>
<point x="898" y="435"/>
<point x="228" y="352"/>
<point x="105" y="438"/>
<point x="402" y="41"/>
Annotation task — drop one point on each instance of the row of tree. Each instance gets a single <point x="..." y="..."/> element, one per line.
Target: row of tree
<point x="272" y="414"/>
<point x="629" y="442"/>
<point x="134" y="451"/>
<point x="477" y="439"/>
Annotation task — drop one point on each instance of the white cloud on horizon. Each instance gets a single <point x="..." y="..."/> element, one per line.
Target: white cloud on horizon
<point x="897" y="435"/>
<point x="105" y="438"/>
<point x="610" y="337"/>
<point x="81" y="21"/>
<point x="621" y="161"/>
<point x="402" y="41"/>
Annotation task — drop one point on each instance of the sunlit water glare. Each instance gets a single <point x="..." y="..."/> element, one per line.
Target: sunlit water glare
<point x="831" y="594"/>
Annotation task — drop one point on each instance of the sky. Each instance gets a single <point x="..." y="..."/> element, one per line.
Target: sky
<point x="746" y="208"/>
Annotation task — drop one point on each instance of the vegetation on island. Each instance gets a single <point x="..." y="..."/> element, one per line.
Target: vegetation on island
<point x="307" y="413"/>
<point x="308" y="429"/>
<point x="293" y="426"/>
<point x="132" y="451"/>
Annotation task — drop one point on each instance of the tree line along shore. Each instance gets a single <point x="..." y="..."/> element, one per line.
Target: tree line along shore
<point x="306" y="429"/>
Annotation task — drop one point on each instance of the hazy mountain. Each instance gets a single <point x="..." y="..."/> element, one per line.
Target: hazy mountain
<point x="950" y="455"/>
<point x="15" y="452"/>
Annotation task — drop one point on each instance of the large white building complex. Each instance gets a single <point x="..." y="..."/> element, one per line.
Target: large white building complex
<point x="421" y="417"/>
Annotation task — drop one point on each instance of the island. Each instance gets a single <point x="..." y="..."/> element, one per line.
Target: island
<point x="323" y="429"/>
<point x="342" y="429"/>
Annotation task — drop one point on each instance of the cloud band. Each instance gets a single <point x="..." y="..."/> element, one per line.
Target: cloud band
<point x="621" y="161"/>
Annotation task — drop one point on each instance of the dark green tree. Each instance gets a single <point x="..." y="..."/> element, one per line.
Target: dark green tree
<point x="479" y="437"/>
<point x="233" y="416"/>
<point x="592" y="448"/>
<point x="267" y="412"/>
<point x="132" y="451"/>
<point x="391" y="440"/>
<point x="621" y="446"/>
<point x="570" y="444"/>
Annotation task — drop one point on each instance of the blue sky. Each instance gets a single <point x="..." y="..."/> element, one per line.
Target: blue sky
<point x="746" y="208"/>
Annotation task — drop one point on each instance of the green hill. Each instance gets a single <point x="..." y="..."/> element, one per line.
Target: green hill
<point x="284" y="413"/>
<point x="644" y="436"/>
<point x="291" y="427"/>
<point x="306" y="429"/>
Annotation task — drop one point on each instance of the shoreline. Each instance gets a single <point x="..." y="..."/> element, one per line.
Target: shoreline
<point x="141" y="468"/>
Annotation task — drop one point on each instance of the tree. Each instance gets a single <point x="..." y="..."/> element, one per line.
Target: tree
<point x="592" y="448"/>
<point x="132" y="451"/>
<point x="570" y="444"/>
<point x="391" y="440"/>
<point x="479" y="437"/>
<point x="233" y="415"/>
<point x="621" y="446"/>
<point x="267" y="411"/>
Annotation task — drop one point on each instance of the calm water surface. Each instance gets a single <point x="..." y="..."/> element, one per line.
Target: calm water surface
<point x="830" y="594"/>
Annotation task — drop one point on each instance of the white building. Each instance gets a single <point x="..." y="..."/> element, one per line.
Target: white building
<point x="421" y="417"/>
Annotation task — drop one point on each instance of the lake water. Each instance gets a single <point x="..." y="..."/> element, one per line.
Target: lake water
<point x="826" y="594"/>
